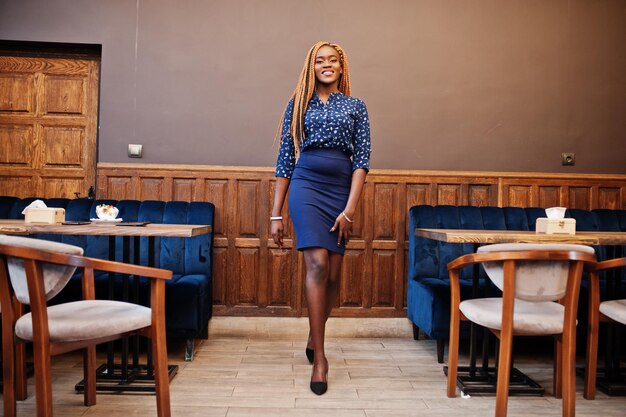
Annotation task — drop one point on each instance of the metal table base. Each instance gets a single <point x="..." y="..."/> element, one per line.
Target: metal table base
<point x="138" y="379"/>
<point x="484" y="381"/>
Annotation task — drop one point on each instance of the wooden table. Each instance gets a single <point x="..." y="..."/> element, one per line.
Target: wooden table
<point x="110" y="376"/>
<point x="19" y="227"/>
<point x="513" y="236"/>
<point x="473" y="380"/>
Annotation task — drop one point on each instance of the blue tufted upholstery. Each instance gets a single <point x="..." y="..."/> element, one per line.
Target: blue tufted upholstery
<point x="188" y="296"/>
<point x="428" y="294"/>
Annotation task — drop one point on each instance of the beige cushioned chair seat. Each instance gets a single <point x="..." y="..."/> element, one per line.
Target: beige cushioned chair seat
<point x="88" y="319"/>
<point x="529" y="318"/>
<point x="615" y="310"/>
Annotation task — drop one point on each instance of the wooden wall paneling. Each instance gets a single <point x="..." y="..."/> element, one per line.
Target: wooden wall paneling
<point x="62" y="146"/>
<point x="280" y="278"/>
<point x="480" y="195"/>
<point x="549" y="196"/>
<point x="417" y="194"/>
<point x="18" y="93"/>
<point x="252" y="276"/>
<point x="15" y="186"/>
<point x="247" y="243"/>
<point x="282" y="270"/>
<point x="151" y="188"/>
<point x="15" y="149"/>
<point x="248" y="194"/>
<point x="299" y="276"/>
<point x="216" y="192"/>
<point x="219" y="269"/>
<point x="609" y="197"/>
<point x="265" y="285"/>
<point x="385" y="210"/>
<point x="59" y="187"/>
<point x="580" y="197"/>
<point x="247" y="276"/>
<point x="519" y="196"/>
<point x="183" y="189"/>
<point x="358" y="227"/>
<point x="351" y="289"/>
<point x="383" y="285"/>
<point x="449" y="194"/>
<point x="401" y="233"/>
<point x="288" y="235"/>
<point x="65" y="94"/>
<point x="120" y="188"/>
<point x="56" y="101"/>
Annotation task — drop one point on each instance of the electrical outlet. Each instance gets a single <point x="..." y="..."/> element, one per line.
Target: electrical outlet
<point x="568" y="158"/>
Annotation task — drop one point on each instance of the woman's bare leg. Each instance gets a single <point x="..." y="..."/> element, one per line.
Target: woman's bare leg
<point x="332" y="288"/>
<point x="317" y="263"/>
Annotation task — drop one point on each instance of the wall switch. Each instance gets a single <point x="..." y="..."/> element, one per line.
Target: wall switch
<point x="134" y="151"/>
<point x="568" y="158"/>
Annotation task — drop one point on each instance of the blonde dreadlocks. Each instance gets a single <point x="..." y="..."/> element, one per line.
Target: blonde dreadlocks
<point x="305" y="88"/>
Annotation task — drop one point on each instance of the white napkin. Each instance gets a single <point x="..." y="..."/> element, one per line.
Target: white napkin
<point x="555" y="212"/>
<point x="34" y="204"/>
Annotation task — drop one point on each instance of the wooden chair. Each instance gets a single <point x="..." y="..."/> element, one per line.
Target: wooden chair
<point x="31" y="272"/>
<point x="606" y="311"/>
<point x="532" y="277"/>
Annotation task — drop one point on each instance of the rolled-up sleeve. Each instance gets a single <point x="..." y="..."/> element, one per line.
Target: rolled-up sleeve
<point x="361" y="142"/>
<point x="285" y="163"/>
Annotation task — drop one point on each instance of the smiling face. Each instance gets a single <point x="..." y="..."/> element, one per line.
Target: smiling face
<point x="328" y="66"/>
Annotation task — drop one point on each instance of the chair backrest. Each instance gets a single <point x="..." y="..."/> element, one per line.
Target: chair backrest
<point x="55" y="276"/>
<point x="538" y="280"/>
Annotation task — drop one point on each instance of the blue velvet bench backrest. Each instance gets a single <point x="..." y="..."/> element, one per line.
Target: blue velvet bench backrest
<point x="181" y="255"/>
<point x="6" y="205"/>
<point x="429" y="258"/>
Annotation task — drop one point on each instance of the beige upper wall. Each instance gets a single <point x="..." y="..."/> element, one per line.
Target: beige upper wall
<point x="450" y="85"/>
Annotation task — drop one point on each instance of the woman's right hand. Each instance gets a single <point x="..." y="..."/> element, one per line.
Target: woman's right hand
<point x="277" y="232"/>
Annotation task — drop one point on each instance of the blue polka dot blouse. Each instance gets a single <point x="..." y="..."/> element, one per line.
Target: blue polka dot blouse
<point x="342" y="123"/>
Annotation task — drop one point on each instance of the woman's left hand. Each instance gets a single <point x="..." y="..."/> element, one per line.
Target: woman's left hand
<point x="344" y="227"/>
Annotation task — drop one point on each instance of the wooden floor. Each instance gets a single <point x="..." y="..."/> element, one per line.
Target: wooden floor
<point x="260" y="375"/>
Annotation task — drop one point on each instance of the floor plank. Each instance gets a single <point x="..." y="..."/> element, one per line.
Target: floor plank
<point x="269" y="376"/>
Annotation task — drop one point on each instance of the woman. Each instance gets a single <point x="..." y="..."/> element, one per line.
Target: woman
<point x="327" y="132"/>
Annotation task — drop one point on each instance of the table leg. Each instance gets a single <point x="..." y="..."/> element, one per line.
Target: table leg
<point x="111" y="377"/>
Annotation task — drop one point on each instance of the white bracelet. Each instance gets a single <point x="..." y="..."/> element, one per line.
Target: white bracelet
<point x="276" y="218"/>
<point x="347" y="218"/>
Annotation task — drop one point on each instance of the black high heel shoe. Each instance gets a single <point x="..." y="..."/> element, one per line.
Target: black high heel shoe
<point x="310" y="354"/>
<point x="320" y="387"/>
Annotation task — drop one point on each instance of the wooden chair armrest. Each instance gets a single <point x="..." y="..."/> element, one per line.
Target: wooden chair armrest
<point x="530" y="255"/>
<point x="611" y="263"/>
<point x="85" y="262"/>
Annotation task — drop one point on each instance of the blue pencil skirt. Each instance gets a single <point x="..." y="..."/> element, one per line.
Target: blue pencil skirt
<point x="318" y="193"/>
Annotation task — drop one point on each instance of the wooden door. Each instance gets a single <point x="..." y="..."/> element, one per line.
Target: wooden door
<point x="48" y="126"/>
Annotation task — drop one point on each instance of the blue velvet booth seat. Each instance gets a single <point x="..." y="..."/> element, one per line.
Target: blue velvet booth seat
<point x="428" y="290"/>
<point x="188" y="296"/>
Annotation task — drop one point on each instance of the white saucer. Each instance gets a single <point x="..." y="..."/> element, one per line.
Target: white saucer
<point x="107" y="221"/>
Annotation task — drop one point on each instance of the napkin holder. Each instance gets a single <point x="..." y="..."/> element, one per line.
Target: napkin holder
<point x="45" y="215"/>
<point x="556" y="226"/>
